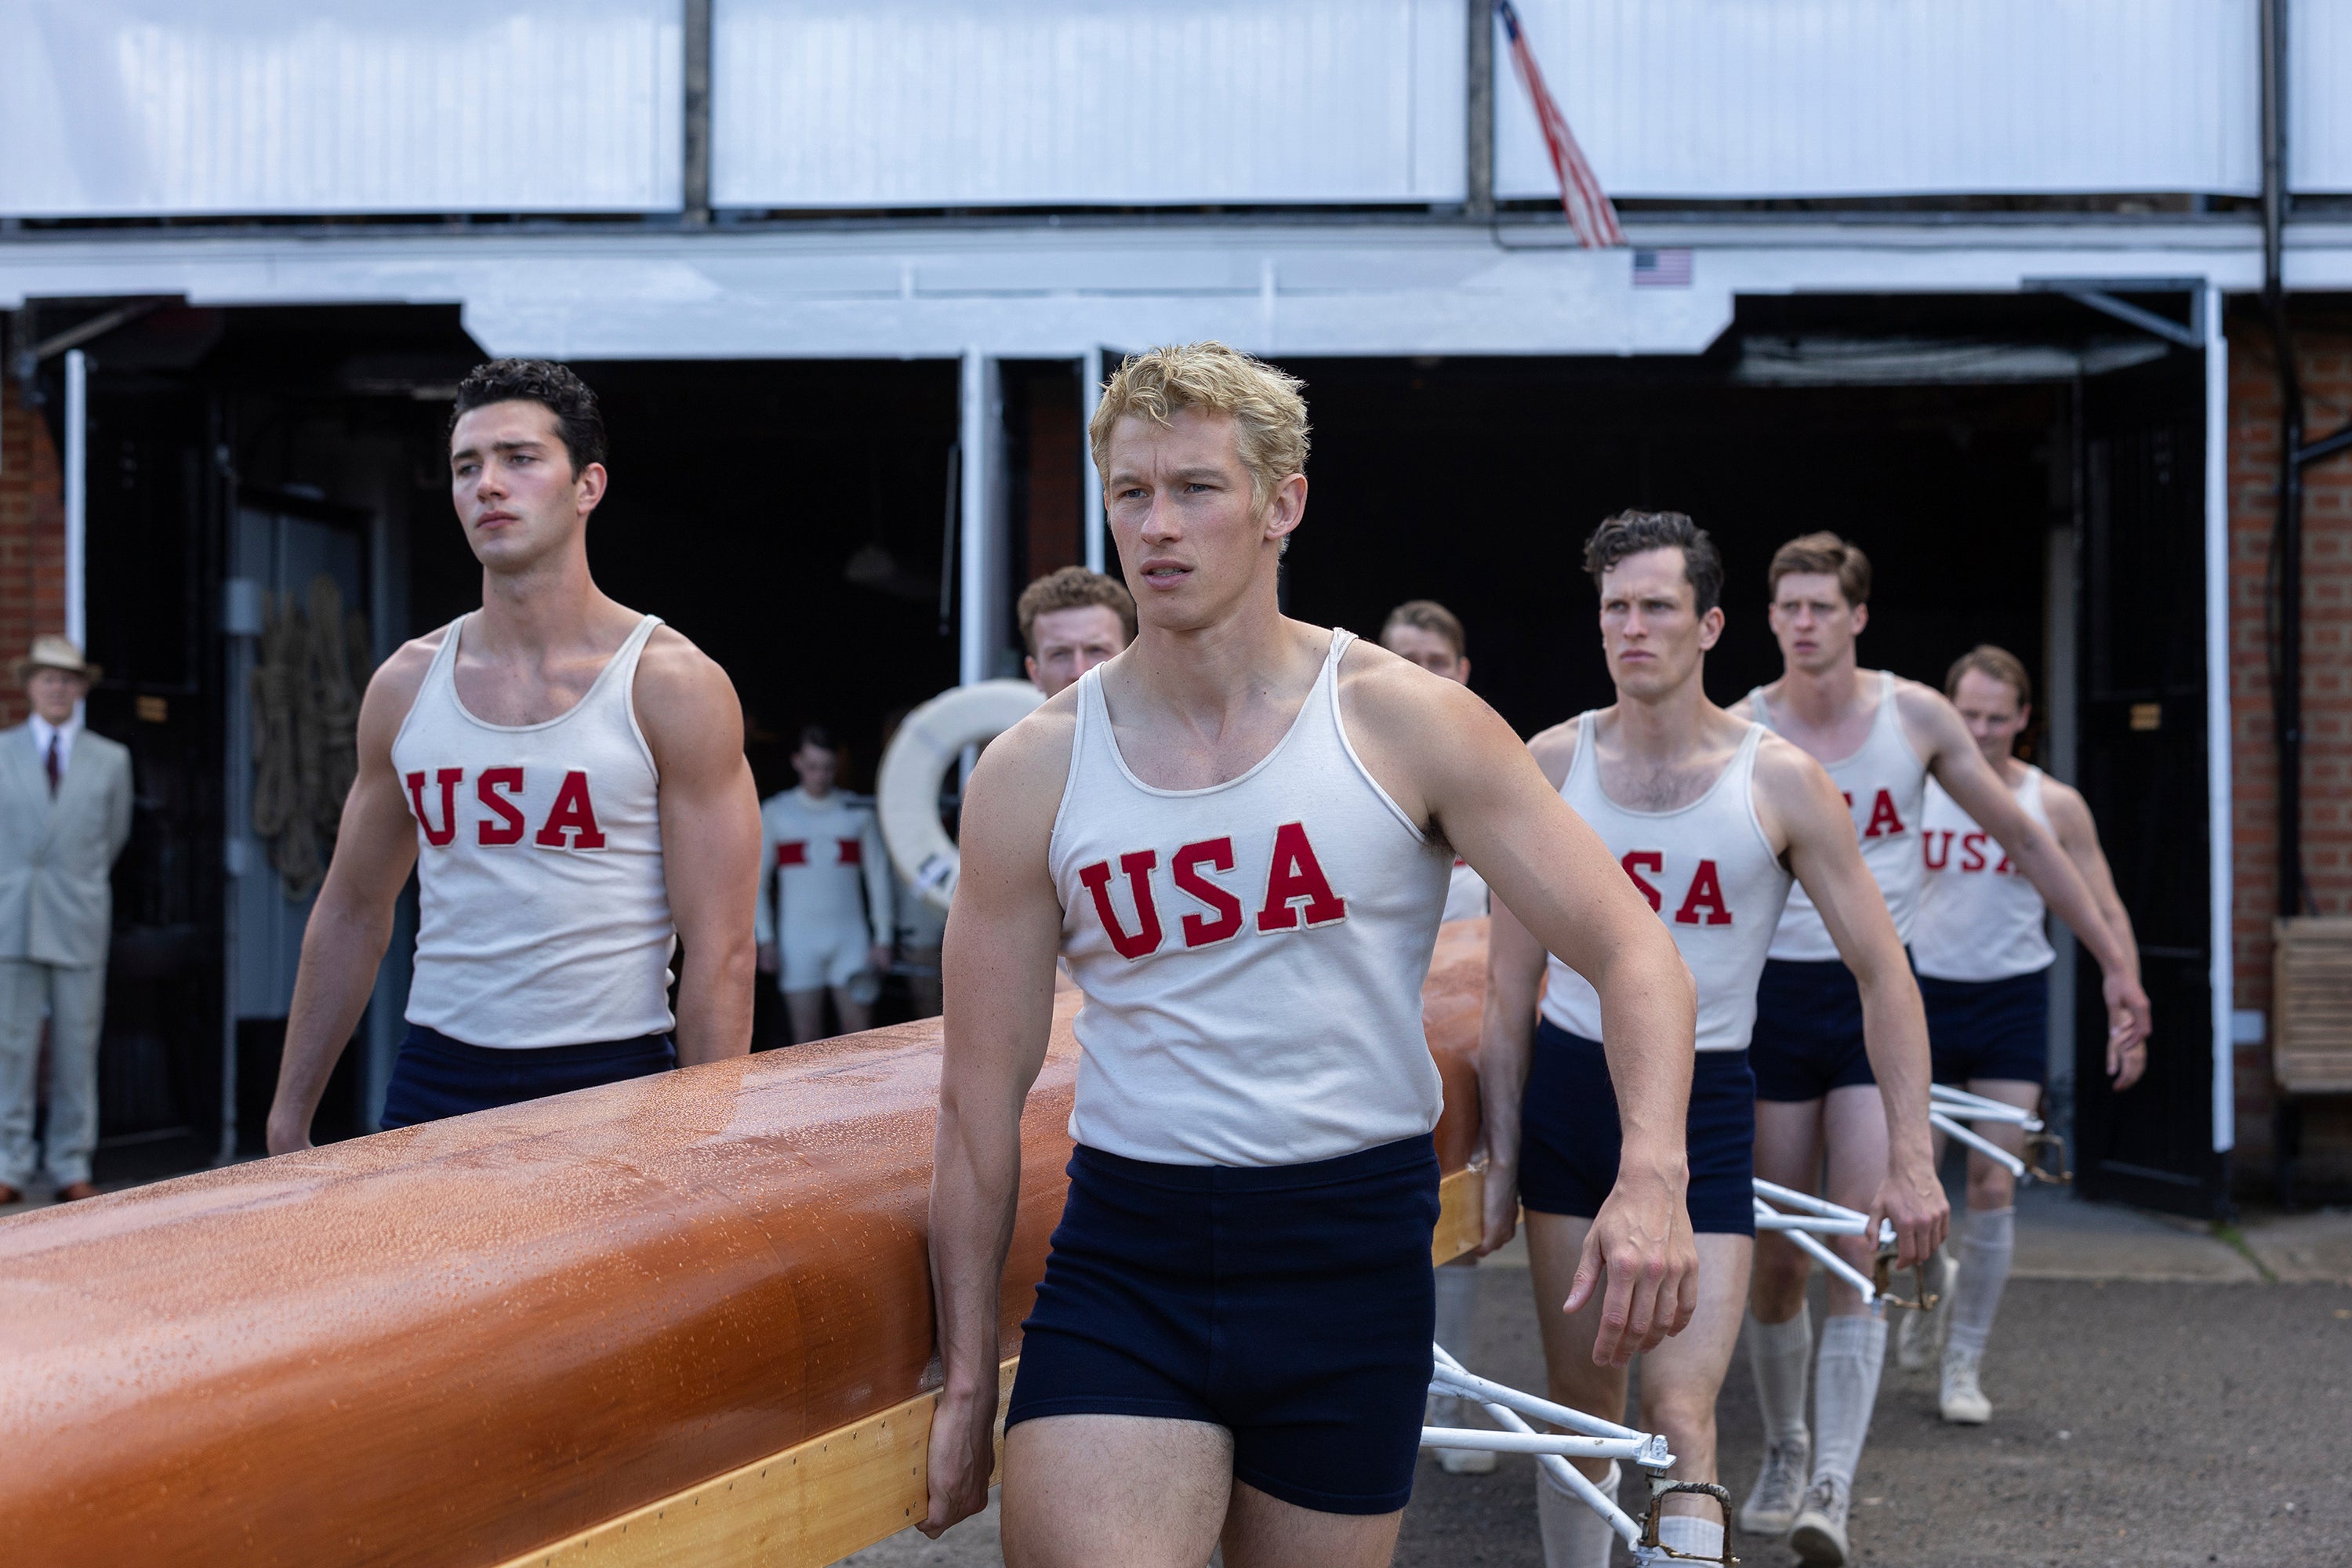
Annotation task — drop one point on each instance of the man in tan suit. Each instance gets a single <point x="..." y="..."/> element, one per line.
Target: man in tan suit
<point x="65" y="815"/>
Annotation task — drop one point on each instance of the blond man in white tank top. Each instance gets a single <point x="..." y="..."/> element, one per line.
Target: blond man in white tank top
<point x="567" y="778"/>
<point x="1984" y="965"/>
<point x="1239" y="831"/>
<point x="1820" y="1123"/>
<point x="1712" y="816"/>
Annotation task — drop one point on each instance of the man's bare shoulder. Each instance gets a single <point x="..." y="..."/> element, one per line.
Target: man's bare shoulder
<point x="2065" y="805"/>
<point x="1554" y="749"/>
<point x="1930" y="722"/>
<point x="1014" y="795"/>
<point x="1038" y="749"/>
<point x="1920" y="703"/>
<point x="392" y="689"/>
<point x="1398" y="697"/>
<point x="685" y="702"/>
<point x="672" y="667"/>
<point x="1791" y="777"/>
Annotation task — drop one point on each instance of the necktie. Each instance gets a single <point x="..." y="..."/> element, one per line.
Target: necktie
<point x="52" y="766"/>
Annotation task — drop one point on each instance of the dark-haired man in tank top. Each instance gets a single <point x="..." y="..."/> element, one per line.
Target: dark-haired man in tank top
<point x="1818" y="1120"/>
<point x="1240" y="833"/>
<point x="1710" y="815"/>
<point x="567" y="778"/>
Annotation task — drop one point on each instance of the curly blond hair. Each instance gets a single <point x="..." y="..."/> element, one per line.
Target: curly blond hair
<point x="1262" y="402"/>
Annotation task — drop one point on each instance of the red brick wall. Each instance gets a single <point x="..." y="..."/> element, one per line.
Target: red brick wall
<point x="2323" y="352"/>
<point x="32" y="539"/>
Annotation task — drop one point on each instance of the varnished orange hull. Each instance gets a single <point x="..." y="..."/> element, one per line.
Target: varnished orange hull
<point x="455" y="1344"/>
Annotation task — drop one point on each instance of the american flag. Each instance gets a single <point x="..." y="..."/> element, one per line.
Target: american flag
<point x="1669" y="269"/>
<point x="1590" y="213"/>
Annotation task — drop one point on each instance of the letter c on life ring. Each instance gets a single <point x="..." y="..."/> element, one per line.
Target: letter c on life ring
<point x="906" y="793"/>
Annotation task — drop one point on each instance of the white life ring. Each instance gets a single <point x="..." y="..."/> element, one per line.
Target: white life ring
<point x="907" y="792"/>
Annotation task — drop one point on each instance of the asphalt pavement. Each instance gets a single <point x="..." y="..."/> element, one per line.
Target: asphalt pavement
<point x="2164" y="1393"/>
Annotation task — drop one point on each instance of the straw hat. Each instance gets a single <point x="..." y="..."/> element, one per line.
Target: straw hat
<point x="53" y="652"/>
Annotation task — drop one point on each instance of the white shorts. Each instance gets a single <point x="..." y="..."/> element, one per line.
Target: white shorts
<point x="827" y="956"/>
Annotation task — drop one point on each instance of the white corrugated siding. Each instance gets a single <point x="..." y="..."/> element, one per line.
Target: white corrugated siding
<point x="157" y="107"/>
<point x="970" y="102"/>
<point x="2319" y="104"/>
<point x="1823" y="98"/>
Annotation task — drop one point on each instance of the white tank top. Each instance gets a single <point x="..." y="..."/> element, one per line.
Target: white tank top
<point x="543" y="917"/>
<point x="1884" y="785"/>
<point x="1710" y="873"/>
<point x="822" y="869"/>
<point x="1252" y="954"/>
<point x="1979" y="918"/>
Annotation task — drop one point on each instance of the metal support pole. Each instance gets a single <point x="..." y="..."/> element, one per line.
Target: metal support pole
<point x="979" y="440"/>
<point x="1978" y="1141"/>
<point x="1478" y="143"/>
<point x="77" y="493"/>
<point x="695" y="147"/>
<point x="2286" y="695"/>
<point x="1089" y="398"/>
<point x="2220" y="817"/>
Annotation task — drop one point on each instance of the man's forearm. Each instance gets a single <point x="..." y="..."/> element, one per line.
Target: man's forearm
<point x="1894" y="1038"/>
<point x="975" y="1191"/>
<point x="340" y="954"/>
<point x="1649" y="1026"/>
<point x="714" y="1001"/>
<point x="1506" y="1050"/>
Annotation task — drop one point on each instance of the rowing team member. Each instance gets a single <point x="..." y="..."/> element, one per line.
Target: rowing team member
<point x="1984" y="967"/>
<point x="1711" y="813"/>
<point x="1241" y="833"/>
<point x="566" y="776"/>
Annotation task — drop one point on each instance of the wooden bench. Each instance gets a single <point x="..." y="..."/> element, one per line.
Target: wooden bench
<point x="2311" y="1028"/>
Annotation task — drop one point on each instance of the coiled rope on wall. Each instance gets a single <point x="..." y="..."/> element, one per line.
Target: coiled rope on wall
<point x="305" y="728"/>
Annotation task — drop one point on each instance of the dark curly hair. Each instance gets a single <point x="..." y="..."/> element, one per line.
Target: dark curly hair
<point x="1631" y="532"/>
<point x="579" y="423"/>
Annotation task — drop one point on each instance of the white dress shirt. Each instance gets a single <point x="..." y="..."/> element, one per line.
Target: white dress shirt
<point x="63" y="734"/>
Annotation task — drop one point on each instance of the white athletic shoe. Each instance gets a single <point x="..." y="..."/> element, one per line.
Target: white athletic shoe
<point x="1919" y="1336"/>
<point x="1771" y="1505"/>
<point x="1961" y="1401"/>
<point x="1819" y="1535"/>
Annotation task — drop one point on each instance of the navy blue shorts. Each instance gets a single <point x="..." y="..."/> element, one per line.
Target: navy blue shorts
<point x="1807" y="1036"/>
<point x="1569" y="1139"/>
<point x="1988" y="1028"/>
<point x="434" y="1076"/>
<point x="1291" y="1305"/>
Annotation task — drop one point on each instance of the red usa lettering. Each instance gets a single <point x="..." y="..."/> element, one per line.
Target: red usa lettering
<point x="1936" y="848"/>
<point x="1297" y="895"/>
<point x="1884" y="820"/>
<point x="1703" y="902"/>
<point x="1637" y="861"/>
<point x="570" y="824"/>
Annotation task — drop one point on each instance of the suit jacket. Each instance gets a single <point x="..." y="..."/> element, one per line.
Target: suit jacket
<point x="57" y="900"/>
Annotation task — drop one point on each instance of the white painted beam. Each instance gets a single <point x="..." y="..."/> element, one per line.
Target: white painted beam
<point x="980" y="535"/>
<point x="76" y="496"/>
<point x="1089" y="398"/>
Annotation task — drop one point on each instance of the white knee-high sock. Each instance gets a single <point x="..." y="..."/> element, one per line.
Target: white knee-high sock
<point x="1689" y="1534"/>
<point x="1987" y="1244"/>
<point x="1574" y="1536"/>
<point x="1778" y="1353"/>
<point x="1845" y="1391"/>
